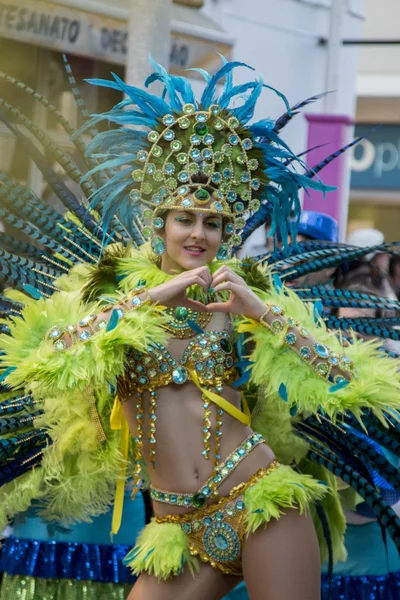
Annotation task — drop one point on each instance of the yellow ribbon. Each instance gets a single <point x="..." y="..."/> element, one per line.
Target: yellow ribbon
<point x="221" y="402"/>
<point x="119" y="423"/>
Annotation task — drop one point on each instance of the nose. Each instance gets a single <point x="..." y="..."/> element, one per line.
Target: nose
<point x="198" y="230"/>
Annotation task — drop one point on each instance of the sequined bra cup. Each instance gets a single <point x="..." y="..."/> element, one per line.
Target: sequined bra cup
<point x="210" y="355"/>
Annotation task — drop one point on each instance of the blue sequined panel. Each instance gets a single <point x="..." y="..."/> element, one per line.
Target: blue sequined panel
<point x="65" y="560"/>
<point x="368" y="587"/>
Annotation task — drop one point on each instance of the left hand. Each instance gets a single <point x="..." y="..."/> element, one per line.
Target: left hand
<point x="242" y="300"/>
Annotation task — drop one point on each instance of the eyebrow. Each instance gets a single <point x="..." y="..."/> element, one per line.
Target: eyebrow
<point x="207" y="216"/>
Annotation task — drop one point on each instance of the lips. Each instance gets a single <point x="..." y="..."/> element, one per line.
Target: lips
<point x="194" y="250"/>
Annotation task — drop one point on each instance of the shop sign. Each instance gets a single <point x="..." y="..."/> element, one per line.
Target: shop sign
<point x="95" y="36"/>
<point x="375" y="161"/>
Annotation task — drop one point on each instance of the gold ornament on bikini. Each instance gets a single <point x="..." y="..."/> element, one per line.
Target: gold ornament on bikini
<point x="211" y="143"/>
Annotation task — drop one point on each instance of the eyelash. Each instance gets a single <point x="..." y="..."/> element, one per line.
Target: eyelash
<point x="186" y="221"/>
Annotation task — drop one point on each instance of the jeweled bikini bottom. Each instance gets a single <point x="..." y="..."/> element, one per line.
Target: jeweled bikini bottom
<point x="215" y="531"/>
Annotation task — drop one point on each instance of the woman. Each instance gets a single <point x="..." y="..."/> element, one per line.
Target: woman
<point x="161" y="328"/>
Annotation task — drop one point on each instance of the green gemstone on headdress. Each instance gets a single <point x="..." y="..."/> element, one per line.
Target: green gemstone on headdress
<point x="225" y="187"/>
<point x="152" y="136"/>
<point x="240" y="223"/>
<point x="171" y="183"/>
<point x="168" y="119"/>
<point x="158" y="223"/>
<point x="158" y="175"/>
<point x="202" y="195"/>
<point x="141" y="156"/>
<point x="218" y="156"/>
<point x="147" y="232"/>
<point x="246" y="195"/>
<point x="233" y="122"/>
<point x="184" y="123"/>
<point x="322" y="368"/>
<point x="181" y="158"/>
<point x="188" y="109"/>
<point x="137" y="175"/>
<point x="176" y="145"/>
<point x="157" y="151"/>
<point x="208" y="170"/>
<point x="241" y="159"/>
<point x="151" y="168"/>
<point x="236" y="240"/>
<point x="193" y="168"/>
<point x="147" y="188"/>
<point x="253" y="164"/>
<point x="201" y="129"/>
<point x="219" y="125"/>
<point x="255" y="204"/>
<point x="227" y="149"/>
<point x="147" y="213"/>
<point x="238" y="207"/>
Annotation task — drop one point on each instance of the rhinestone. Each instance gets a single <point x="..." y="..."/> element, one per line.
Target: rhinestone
<point x="187" y="528"/>
<point x="199" y="500"/>
<point x="195" y="139"/>
<point x="239" y="505"/>
<point x="199" y="366"/>
<point x="254" y="205"/>
<point x="305" y="352"/>
<point x="229" y="464"/>
<point x="219" y="370"/>
<point x="152" y="136"/>
<point x="253" y="164"/>
<point x="255" y="184"/>
<point x="142" y="156"/>
<point x="236" y="240"/>
<point x="229" y="362"/>
<point x="245" y="177"/>
<point x="219" y="516"/>
<point x="207" y="153"/>
<point x="181" y="158"/>
<point x="187" y="203"/>
<point x="85" y="335"/>
<point x="164" y="367"/>
<point x="206" y="491"/>
<point x="235" y="457"/>
<point x="193" y="168"/>
<point x="201" y="117"/>
<point x="102" y="324"/>
<point x="169" y="135"/>
<point x="176" y="145"/>
<point x="207" y="521"/>
<point x="147" y="188"/>
<point x="333" y="360"/>
<point x="321" y="350"/>
<point x="226" y="346"/>
<point x="238" y="207"/>
<point x="202" y="195"/>
<point x="137" y="175"/>
<point x="247" y="144"/>
<point x="184" y="123"/>
<point x="227" y="150"/>
<point x="135" y="195"/>
<point x="241" y="451"/>
<point x="322" y="368"/>
<point x="219" y="125"/>
<point x="218" y="156"/>
<point x="163" y="191"/>
<point x="158" y="223"/>
<point x="290" y="338"/>
<point x="55" y="334"/>
<point x="169" y="168"/>
<point x="179" y="375"/>
<point x="241" y="159"/>
<point x="339" y="379"/>
<point x="229" y="228"/>
<point x="183" y="176"/>
<point x="227" y="173"/>
<point x="201" y="129"/>
<point x="147" y="232"/>
<point x="197" y="525"/>
<point x="208" y="139"/>
<point x="224" y="472"/>
<point x="60" y="345"/>
<point x="168" y="119"/>
<point x="277" y="325"/>
<point x="157" y="151"/>
<point x="171" y="183"/>
<point x="233" y="139"/>
<point x="232" y="196"/>
<point x="188" y="109"/>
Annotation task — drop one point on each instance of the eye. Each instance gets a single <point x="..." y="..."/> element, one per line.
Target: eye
<point x="214" y="224"/>
<point x="183" y="220"/>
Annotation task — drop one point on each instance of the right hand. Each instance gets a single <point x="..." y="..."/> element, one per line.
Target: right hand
<point x="173" y="292"/>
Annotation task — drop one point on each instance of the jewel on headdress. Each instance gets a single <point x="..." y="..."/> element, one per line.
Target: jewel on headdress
<point x="193" y="168"/>
<point x="183" y="176"/>
<point x="137" y="175"/>
<point x="158" y="223"/>
<point x="187" y="203"/>
<point x="147" y="213"/>
<point x="208" y="139"/>
<point x="188" y="109"/>
<point x="255" y="184"/>
<point x="169" y="135"/>
<point x="169" y="169"/>
<point x="201" y="117"/>
<point x="234" y="139"/>
<point x="152" y="136"/>
<point x="195" y="154"/>
<point x="238" y="207"/>
<point x="181" y="158"/>
<point x="176" y="145"/>
<point x="223" y="252"/>
<point x="157" y="245"/>
<point x="158" y="175"/>
<point x="157" y="151"/>
<point x="233" y="122"/>
<point x="147" y="188"/>
<point x="184" y="123"/>
<point x="168" y="119"/>
<point x="202" y="195"/>
<point x="171" y="183"/>
<point x="229" y="228"/>
<point x="201" y="129"/>
<point x="142" y="156"/>
<point x="195" y="139"/>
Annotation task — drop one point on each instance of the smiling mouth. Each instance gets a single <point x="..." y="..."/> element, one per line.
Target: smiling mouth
<point x="194" y="249"/>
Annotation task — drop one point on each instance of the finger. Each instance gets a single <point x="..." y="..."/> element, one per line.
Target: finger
<point x="226" y="276"/>
<point x="194" y="305"/>
<point x="196" y="279"/>
<point x="218" y="307"/>
<point x="227" y="285"/>
<point x="204" y="273"/>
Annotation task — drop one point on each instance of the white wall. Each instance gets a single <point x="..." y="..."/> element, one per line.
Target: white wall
<point x="279" y="38"/>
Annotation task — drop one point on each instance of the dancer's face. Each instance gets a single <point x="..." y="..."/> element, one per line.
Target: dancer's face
<point x="192" y="239"/>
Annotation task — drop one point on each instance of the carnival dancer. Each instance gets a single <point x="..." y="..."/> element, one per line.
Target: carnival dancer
<point x="149" y="356"/>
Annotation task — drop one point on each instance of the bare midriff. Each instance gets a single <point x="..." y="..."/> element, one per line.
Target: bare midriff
<point x="180" y="465"/>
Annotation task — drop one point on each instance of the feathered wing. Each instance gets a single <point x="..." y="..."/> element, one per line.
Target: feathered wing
<point x="325" y="429"/>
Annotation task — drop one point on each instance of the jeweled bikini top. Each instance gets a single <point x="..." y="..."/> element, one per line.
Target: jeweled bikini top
<point x="210" y="355"/>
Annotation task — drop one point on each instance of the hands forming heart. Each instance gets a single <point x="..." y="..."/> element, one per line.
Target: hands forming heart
<point x="242" y="300"/>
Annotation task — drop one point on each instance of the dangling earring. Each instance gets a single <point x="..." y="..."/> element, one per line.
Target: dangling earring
<point x="158" y="245"/>
<point x="224" y="252"/>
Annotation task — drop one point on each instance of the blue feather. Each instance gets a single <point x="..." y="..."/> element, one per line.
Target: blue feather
<point x="32" y="291"/>
<point x="283" y="393"/>
<point x="193" y="325"/>
<point x="113" y="322"/>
